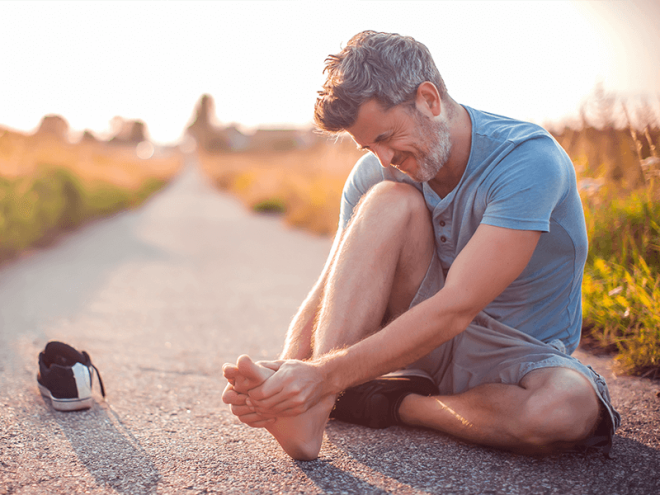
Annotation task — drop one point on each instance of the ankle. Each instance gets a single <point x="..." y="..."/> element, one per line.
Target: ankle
<point x="409" y="408"/>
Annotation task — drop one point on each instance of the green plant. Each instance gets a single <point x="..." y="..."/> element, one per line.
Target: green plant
<point x="621" y="309"/>
<point x="271" y="205"/>
<point x="622" y="229"/>
<point x="34" y="209"/>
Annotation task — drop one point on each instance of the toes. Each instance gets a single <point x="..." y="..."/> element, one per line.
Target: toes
<point x="252" y="371"/>
<point x="229" y="371"/>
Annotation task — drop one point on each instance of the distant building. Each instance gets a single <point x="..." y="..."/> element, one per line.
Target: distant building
<point x="88" y="137"/>
<point x="54" y="125"/>
<point x="282" y="139"/>
<point x="212" y="137"/>
<point x="129" y="132"/>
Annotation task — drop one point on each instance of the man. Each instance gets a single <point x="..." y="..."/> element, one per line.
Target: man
<point x="457" y="264"/>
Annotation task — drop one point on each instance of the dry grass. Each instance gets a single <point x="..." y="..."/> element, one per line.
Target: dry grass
<point x="304" y="184"/>
<point x="27" y="155"/>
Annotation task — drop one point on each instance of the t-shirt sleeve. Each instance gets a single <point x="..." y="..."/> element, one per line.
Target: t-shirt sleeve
<point x="527" y="186"/>
<point x="366" y="173"/>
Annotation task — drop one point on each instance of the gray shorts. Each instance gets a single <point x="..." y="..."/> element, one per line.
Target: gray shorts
<point x="490" y="352"/>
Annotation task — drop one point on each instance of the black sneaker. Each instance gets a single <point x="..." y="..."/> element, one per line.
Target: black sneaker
<point x="65" y="377"/>
<point x="376" y="403"/>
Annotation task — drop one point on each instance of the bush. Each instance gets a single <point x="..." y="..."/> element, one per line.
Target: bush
<point x="621" y="289"/>
<point x="34" y="209"/>
<point x="271" y="205"/>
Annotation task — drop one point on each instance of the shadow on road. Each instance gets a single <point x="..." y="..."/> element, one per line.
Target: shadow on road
<point x="331" y="479"/>
<point x="424" y="460"/>
<point x="108" y="450"/>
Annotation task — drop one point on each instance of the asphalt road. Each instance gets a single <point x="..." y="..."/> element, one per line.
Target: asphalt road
<point x="161" y="297"/>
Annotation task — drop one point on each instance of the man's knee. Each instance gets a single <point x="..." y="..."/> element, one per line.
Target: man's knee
<point x="562" y="407"/>
<point x="397" y="200"/>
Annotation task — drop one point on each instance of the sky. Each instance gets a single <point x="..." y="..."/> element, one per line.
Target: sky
<point x="262" y="61"/>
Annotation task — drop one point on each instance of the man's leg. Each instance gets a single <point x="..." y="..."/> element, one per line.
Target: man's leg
<point x="549" y="411"/>
<point x="382" y="260"/>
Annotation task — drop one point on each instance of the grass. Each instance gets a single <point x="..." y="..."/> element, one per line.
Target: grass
<point x="620" y="293"/>
<point x="47" y="186"/>
<point x="304" y="185"/>
<point x="621" y="289"/>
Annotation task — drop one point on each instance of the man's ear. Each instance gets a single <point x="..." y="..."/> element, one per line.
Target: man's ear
<point x="427" y="99"/>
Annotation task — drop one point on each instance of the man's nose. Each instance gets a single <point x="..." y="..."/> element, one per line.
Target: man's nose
<point x="384" y="155"/>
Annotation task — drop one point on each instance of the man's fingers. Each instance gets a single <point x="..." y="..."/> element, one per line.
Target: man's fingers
<point x="282" y="410"/>
<point x="238" y="410"/>
<point x="266" y="390"/>
<point x="230" y="396"/>
<point x="278" y="406"/>
<point x="278" y="403"/>
<point x="271" y="365"/>
<point x="245" y="415"/>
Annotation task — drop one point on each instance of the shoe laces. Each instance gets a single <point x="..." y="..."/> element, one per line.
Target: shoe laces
<point x="89" y="364"/>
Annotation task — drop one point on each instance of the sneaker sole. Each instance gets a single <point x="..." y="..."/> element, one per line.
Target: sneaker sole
<point x="66" y="404"/>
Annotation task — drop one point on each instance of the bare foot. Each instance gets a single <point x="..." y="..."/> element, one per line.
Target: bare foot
<point x="300" y="436"/>
<point x="250" y="374"/>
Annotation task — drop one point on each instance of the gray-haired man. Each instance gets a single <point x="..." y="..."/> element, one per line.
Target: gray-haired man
<point x="457" y="264"/>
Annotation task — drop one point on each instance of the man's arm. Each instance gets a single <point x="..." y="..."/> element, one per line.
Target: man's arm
<point x="492" y="259"/>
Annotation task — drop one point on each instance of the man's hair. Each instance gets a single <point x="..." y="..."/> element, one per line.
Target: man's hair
<point x="387" y="67"/>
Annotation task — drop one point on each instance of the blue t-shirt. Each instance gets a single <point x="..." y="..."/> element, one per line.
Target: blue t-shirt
<point x="517" y="177"/>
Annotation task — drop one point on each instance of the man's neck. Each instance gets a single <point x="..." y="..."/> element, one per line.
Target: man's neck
<point x="460" y="129"/>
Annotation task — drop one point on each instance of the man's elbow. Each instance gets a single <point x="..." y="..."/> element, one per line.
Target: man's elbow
<point x="456" y="312"/>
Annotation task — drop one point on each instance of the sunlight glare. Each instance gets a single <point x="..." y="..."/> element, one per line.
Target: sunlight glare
<point x="144" y="150"/>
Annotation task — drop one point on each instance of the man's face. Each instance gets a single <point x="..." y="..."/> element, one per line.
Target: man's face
<point x="403" y="137"/>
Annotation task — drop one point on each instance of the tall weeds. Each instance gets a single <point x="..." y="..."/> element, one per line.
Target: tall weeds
<point x="621" y="289"/>
<point x="615" y="153"/>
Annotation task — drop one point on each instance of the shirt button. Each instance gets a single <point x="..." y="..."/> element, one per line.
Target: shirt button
<point x="442" y="223"/>
<point x="443" y="239"/>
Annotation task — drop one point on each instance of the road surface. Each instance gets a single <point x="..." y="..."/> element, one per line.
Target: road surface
<point x="161" y="297"/>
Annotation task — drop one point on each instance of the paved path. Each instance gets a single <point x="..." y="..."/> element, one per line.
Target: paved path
<point x="160" y="298"/>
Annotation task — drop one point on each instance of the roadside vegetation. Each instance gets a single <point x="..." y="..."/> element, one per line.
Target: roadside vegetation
<point x="614" y="147"/>
<point x="615" y="151"/>
<point x="48" y="185"/>
<point x="304" y="185"/>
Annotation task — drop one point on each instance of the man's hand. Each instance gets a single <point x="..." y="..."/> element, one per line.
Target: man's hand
<point x="235" y="393"/>
<point x="294" y="388"/>
<point x="244" y="413"/>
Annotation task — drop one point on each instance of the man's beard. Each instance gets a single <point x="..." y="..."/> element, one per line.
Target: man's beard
<point x="434" y="149"/>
